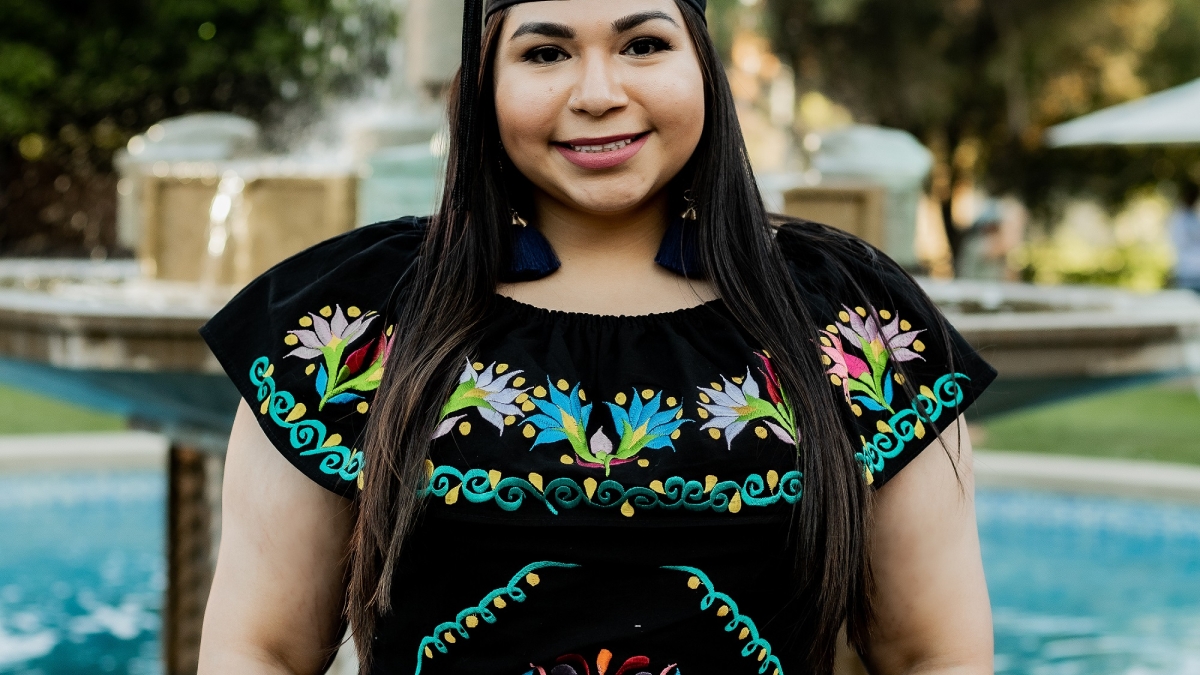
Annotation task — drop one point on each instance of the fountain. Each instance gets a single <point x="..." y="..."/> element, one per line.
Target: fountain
<point x="206" y="210"/>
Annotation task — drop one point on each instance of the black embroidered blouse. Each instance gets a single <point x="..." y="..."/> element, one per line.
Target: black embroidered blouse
<point x="606" y="494"/>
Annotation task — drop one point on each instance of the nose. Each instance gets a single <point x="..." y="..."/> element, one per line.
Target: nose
<point x="599" y="89"/>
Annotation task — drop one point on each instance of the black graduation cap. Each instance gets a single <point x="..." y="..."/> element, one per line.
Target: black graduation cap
<point x="468" y="126"/>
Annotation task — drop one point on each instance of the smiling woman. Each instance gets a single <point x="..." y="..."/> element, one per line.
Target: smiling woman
<point x="600" y="413"/>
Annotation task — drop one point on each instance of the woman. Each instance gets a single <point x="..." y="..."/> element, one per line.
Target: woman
<point x="599" y="415"/>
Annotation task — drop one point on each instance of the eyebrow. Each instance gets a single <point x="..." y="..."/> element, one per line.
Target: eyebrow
<point x="544" y="28"/>
<point x="565" y="32"/>
<point x="634" y="20"/>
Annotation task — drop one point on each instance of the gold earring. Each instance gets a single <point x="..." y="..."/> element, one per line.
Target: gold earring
<point x="689" y="213"/>
<point x="517" y="220"/>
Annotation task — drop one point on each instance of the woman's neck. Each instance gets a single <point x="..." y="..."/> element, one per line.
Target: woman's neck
<point x="607" y="263"/>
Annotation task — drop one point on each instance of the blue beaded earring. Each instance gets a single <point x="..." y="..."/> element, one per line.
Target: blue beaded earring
<point x="678" y="251"/>
<point x="531" y="257"/>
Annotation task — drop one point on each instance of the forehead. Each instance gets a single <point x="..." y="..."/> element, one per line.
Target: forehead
<point x="582" y="13"/>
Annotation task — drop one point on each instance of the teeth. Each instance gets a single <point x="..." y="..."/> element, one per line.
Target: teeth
<point x="607" y="147"/>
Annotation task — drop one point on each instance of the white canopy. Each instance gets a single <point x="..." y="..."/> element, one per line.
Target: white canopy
<point x="1170" y="116"/>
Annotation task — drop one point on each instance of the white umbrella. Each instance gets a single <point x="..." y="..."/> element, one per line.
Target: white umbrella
<point x="1170" y="116"/>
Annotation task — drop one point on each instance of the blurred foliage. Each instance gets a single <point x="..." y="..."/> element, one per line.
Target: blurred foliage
<point x="979" y="81"/>
<point x="78" y="78"/>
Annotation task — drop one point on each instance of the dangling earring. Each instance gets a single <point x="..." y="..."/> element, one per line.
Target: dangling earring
<point x="678" y="251"/>
<point x="689" y="213"/>
<point x="531" y="255"/>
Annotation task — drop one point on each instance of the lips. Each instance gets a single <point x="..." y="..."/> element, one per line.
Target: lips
<point x="602" y="153"/>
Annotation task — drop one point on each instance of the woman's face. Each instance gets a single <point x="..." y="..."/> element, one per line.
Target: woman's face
<point x="600" y="104"/>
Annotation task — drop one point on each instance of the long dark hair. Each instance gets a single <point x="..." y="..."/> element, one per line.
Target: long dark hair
<point x="450" y="290"/>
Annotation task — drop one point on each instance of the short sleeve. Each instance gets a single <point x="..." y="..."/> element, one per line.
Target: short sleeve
<point x="902" y="371"/>
<point x="305" y="345"/>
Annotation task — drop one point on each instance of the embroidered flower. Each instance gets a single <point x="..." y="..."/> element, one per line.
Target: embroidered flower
<point x="642" y="426"/>
<point x="574" y="664"/>
<point x="338" y="382"/>
<point x="328" y="336"/>
<point x="563" y="416"/>
<point x="868" y="380"/>
<point x="489" y="393"/>
<point x="735" y="404"/>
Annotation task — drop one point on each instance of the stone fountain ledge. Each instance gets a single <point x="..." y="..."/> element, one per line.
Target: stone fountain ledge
<point x="1028" y="331"/>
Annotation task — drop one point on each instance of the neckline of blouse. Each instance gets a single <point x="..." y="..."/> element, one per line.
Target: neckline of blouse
<point x="533" y="311"/>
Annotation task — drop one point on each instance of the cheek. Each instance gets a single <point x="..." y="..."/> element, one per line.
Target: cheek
<point x="676" y="108"/>
<point x="525" y="115"/>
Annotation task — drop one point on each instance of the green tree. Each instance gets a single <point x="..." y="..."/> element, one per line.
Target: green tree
<point x="79" y="78"/>
<point x="979" y="81"/>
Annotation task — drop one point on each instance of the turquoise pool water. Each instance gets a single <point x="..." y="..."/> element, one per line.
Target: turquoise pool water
<point x="1079" y="585"/>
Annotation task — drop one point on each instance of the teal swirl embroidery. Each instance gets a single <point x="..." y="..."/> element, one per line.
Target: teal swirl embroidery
<point x="907" y="424"/>
<point x="450" y="631"/>
<point x="308" y="436"/>
<point x="510" y="493"/>
<point x="757" y="647"/>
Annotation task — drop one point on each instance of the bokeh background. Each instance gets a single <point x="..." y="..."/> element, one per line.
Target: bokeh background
<point x="156" y="154"/>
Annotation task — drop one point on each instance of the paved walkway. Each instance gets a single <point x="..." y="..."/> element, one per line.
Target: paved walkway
<point x="1088" y="475"/>
<point x="104" y="450"/>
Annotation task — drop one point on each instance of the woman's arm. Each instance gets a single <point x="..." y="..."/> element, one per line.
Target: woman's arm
<point x="277" y="595"/>
<point x="932" y="608"/>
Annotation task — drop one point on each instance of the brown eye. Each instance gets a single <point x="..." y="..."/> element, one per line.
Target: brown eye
<point x="546" y="55"/>
<point x="646" y="46"/>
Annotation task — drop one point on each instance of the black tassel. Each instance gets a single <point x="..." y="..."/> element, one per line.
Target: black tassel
<point x="532" y="256"/>
<point x="678" y="251"/>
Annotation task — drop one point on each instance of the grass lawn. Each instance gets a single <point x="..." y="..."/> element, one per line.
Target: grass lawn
<point x="25" y="413"/>
<point x="1159" y="422"/>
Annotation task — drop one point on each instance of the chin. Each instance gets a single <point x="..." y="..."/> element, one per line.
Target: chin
<point x="612" y="195"/>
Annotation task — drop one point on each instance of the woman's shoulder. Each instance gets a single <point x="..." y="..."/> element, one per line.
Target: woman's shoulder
<point x="900" y="368"/>
<point x="305" y="344"/>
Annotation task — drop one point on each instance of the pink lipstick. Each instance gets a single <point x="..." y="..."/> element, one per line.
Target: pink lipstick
<point x="602" y="153"/>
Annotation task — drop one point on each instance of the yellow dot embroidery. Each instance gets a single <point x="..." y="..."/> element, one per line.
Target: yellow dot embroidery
<point x="860" y="311"/>
<point x="826" y="360"/>
<point x="290" y="340"/>
<point x="702" y="413"/>
<point x="715" y="433"/>
<point x="363" y="407"/>
<point x="309" y="370"/>
<point x="620" y="398"/>
<point x="918" y="346"/>
<point x="508" y="421"/>
<point x="326" y="311"/>
<point x="566" y="459"/>
<point x="647" y="394"/>
<point x="528" y="406"/>
<point x="843" y="316"/>
<point x="532" y="579"/>
<point x="472" y="621"/>
<point x="885" y="315"/>
<point x="582" y="396"/>
<point x="501" y="368"/>
<point x="724" y="611"/>
<point x="477" y="365"/>
<point x="500" y="603"/>
<point x="528" y="431"/>
<point x="693" y="582"/>
<point x="825" y="341"/>
<point x="837" y="381"/>
<point x="760" y="432"/>
<point x="520" y="381"/>
<point x="353" y="312"/>
<point x="675" y="435"/>
<point x="856" y="409"/>
<point x="645" y="462"/>
<point x="670" y="401"/>
<point x="898" y="378"/>
<point x="704" y="398"/>
<point x="715" y="386"/>
<point x="562" y="385"/>
<point x="464" y="428"/>
<point x="448" y="637"/>
<point x="522" y="397"/>
<point x="904" y="325"/>
<point x="627" y="510"/>
<point x="539" y="391"/>
<point x="883" y="427"/>
<point x="306" y="321"/>
<point x="831" y="328"/>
